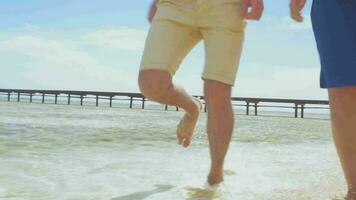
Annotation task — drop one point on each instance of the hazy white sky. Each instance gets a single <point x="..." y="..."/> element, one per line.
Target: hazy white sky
<point x="97" y="45"/>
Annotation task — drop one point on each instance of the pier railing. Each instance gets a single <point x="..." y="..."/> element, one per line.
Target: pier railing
<point x="299" y="105"/>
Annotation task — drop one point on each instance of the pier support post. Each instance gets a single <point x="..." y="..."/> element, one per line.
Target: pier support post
<point x="296" y="111"/>
<point x="18" y="97"/>
<point x="56" y="99"/>
<point x="256" y="107"/>
<point x="166" y="107"/>
<point x="177" y="108"/>
<point x="247" y="108"/>
<point x="302" y="110"/>
<point x="8" y="96"/>
<point x="131" y="102"/>
<point x="97" y="100"/>
<point x="81" y="100"/>
<point x="31" y="97"/>
<point x="110" y="101"/>
<point x="43" y="98"/>
<point x="143" y="102"/>
<point x="68" y="99"/>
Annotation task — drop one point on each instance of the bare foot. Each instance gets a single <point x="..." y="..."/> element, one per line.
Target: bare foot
<point x="215" y="179"/>
<point x="186" y="126"/>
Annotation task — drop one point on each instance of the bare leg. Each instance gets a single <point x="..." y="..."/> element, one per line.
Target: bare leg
<point x="157" y="85"/>
<point x="343" y="116"/>
<point x="220" y="126"/>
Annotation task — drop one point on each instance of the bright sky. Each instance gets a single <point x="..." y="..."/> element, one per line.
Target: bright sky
<point x="97" y="45"/>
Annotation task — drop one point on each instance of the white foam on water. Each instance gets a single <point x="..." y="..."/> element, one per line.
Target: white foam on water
<point x="74" y="153"/>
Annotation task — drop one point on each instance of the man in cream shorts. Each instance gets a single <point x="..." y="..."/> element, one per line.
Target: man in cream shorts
<point x="176" y="27"/>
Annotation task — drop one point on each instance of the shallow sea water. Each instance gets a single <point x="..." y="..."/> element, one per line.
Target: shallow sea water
<point x="86" y="153"/>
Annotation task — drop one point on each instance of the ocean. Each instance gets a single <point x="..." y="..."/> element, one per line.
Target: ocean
<point x="65" y="152"/>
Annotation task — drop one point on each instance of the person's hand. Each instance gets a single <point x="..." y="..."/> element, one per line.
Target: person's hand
<point x="252" y="9"/>
<point x="152" y="12"/>
<point x="296" y="7"/>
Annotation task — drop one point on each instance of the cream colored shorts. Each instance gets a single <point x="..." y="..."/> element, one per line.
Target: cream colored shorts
<point x="180" y="24"/>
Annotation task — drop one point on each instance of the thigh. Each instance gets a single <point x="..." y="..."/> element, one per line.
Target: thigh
<point x="223" y="34"/>
<point x="167" y="43"/>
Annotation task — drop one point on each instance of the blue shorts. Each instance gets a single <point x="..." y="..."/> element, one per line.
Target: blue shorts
<point x="334" y="24"/>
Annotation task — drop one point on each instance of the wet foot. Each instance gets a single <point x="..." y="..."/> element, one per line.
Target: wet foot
<point x="186" y="126"/>
<point x="214" y="180"/>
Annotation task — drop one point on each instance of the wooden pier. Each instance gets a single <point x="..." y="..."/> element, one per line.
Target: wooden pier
<point x="298" y="105"/>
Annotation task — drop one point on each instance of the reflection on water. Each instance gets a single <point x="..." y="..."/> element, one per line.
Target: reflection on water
<point x="68" y="152"/>
<point x="229" y="172"/>
<point x="208" y="193"/>
<point x="338" y="198"/>
<point x="199" y="194"/>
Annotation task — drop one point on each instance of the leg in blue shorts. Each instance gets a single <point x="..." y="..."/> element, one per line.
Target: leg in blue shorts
<point x="334" y="24"/>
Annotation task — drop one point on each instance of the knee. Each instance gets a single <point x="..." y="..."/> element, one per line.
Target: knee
<point x="217" y="94"/>
<point x="154" y="83"/>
